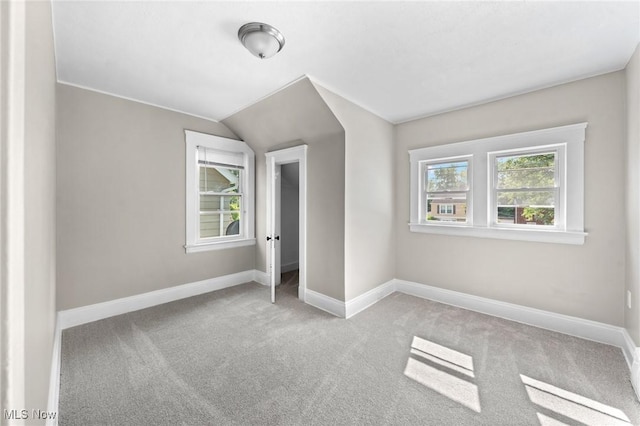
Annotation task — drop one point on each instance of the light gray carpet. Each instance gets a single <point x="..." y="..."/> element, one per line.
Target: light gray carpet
<point x="231" y="357"/>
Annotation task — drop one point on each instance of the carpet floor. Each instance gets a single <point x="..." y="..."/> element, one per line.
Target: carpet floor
<point x="231" y="357"/>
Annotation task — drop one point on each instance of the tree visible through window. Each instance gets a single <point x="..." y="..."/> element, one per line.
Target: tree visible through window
<point x="526" y="188"/>
<point x="220" y="175"/>
<point x="446" y="187"/>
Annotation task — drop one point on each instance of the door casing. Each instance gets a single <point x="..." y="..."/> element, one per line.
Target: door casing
<point x="275" y="159"/>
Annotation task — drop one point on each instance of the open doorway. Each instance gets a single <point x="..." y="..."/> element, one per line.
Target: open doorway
<point x="286" y="220"/>
<point x="289" y="228"/>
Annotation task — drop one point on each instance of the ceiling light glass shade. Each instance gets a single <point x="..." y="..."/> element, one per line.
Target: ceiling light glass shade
<point x="262" y="40"/>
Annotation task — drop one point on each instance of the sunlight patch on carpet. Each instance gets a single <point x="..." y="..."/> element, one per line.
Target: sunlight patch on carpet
<point x="549" y="421"/>
<point x="570" y="405"/>
<point x="438" y="368"/>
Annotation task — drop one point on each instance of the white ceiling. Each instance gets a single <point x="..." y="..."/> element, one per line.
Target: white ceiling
<point x="399" y="60"/>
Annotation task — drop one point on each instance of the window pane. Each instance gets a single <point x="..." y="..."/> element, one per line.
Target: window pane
<point x="450" y="176"/>
<point x="527" y="215"/>
<point x="452" y="208"/>
<point x="232" y="223"/>
<point x="209" y="203"/>
<point x="526" y="207"/>
<point x="506" y="214"/>
<point x="219" y="179"/>
<point x="526" y="171"/>
<point x="526" y="198"/>
<point x="216" y="225"/>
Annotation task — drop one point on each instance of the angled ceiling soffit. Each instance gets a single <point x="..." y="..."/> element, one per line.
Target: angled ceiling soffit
<point x="296" y="112"/>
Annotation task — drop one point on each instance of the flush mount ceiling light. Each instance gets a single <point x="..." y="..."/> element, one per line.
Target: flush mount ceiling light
<point x="262" y="40"/>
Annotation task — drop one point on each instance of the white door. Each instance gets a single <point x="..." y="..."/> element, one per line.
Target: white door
<point x="273" y="224"/>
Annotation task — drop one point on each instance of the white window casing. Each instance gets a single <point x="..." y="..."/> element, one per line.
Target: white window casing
<point x="558" y="188"/>
<point x="567" y="144"/>
<point x="226" y="155"/>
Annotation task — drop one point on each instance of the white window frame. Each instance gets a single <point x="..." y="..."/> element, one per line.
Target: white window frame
<point x="423" y="194"/>
<point x="568" y="140"/>
<point x="246" y="237"/>
<point x="559" y="179"/>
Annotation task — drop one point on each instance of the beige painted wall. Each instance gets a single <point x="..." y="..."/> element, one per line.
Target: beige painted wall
<point x="27" y="203"/>
<point x="369" y="196"/>
<point x="585" y="281"/>
<point x="632" y="316"/>
<point x="40" y="230"/>
<point x="121" y="200"/>
<point x="295" y="115"/>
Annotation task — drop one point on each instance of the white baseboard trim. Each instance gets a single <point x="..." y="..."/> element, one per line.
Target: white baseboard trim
<point x="632" y="355"/>
<point x="54" y="377"/>
<point x="325" y="303"/>
<point x="85" y="314"/>
<point x="573" y="326"/>
<point x="362" y="302"/>
<point x="628" y="348"/>
<point x="261" y="277"/>
<point x="289" y="267"/>
<point x="635" y="373"/>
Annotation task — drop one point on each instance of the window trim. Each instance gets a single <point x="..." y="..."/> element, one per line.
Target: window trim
<point x="559" y="177"/>
<point x="246" y="237"/>
<point x="570" y="137"/>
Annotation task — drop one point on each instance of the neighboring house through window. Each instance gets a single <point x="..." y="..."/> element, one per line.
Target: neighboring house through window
<point x="220" y="191"/>
<point x="525" y="186"/>
<point x="446" y="190"/>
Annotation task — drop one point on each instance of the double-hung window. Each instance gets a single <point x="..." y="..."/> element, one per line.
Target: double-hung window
<point x="525" y="186"/>
<point x="446" y="190"/>
<point x="528" y="187"/>
<point x="219" y="192"/>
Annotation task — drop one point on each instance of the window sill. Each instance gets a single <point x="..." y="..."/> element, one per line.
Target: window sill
<point x="535" y="235"/>
<point x="219" y="245"/>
